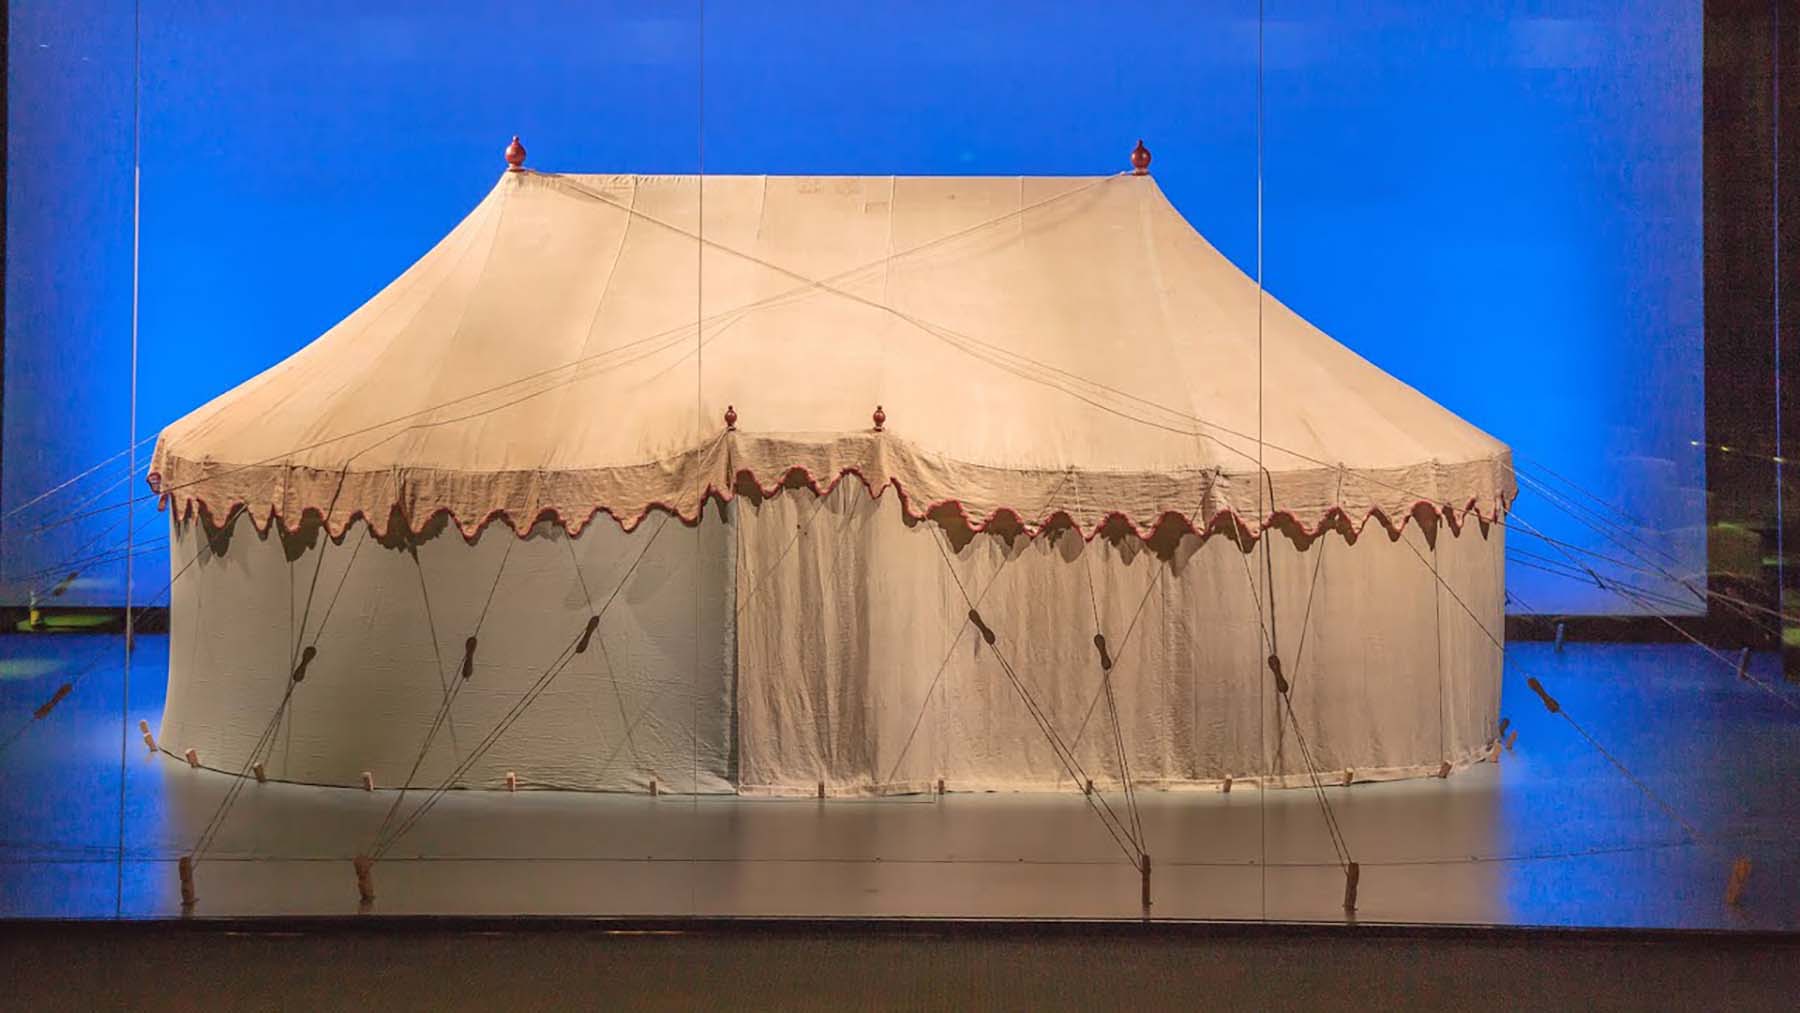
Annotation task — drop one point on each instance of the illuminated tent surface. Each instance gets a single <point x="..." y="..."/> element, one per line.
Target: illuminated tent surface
<point x="527" y="427"/>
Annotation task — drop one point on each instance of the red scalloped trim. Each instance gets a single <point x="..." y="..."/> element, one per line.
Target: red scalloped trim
<point x="1453" y="515"/>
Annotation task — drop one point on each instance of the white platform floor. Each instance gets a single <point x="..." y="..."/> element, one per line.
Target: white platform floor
<point x="1552" y="835"/>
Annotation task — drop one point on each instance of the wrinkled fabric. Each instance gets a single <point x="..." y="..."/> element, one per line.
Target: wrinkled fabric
<point x="858" y="667"/>
<point x="800" y="641"/>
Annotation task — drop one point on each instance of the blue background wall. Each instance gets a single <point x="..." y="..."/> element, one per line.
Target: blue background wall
<point x="1497" y="202"/>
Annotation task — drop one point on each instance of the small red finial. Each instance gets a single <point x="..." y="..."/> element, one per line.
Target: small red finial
<point x="515" y="155"/>
<point x="880" y="418"/>
<point x="1140" y="159"/>
<point x="730" y="417"/>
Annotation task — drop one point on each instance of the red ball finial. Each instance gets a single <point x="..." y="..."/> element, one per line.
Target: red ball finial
<point x="880" y="418"/>
<point x="730" y="417"/>
<point x="1140" y="159"/>
<point x="515" y="155"/>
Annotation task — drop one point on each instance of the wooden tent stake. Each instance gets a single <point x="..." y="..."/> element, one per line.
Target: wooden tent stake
<point x="365" y="883"/>
<point x="1734" y="887"/>
<point x="185" y="869"/>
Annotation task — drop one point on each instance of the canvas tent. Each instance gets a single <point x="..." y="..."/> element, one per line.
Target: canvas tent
<point x="852" y="471"/>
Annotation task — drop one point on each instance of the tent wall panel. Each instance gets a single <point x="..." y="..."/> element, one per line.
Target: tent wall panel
<point x="654" y="684"/>
<point x="855" y="610"/>
<point x="815" y="639"/>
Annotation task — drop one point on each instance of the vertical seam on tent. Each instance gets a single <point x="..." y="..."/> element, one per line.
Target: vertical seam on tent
<point x="612" y="272"/>
<point x="887" y="247"/>
<point x="762" y="210"/>
<point x="887" y="274"/>
<point x="1154" y="266"/>
<point x="736" y="516"/>
<point x="1019" y="215"/>
<point x="455" y="332"/>
<point x="1164" y="714"/>
<point x="1437" y="610"/>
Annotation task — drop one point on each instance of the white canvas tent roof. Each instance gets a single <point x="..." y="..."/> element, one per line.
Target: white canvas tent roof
<point x="1040" y="347"/>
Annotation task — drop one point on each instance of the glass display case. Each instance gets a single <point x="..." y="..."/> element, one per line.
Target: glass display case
<point x="1221" y="461"/>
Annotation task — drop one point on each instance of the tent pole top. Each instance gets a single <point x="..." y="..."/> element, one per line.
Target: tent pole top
<point x="1140" y="159"/>
<point x="515" y="155"/>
